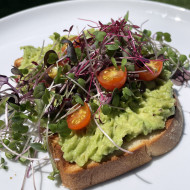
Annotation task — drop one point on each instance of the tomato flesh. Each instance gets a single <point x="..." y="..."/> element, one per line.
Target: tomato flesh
<point x="111" y="78"/>
<point x="155" y="66"/>
<point x="53" y="71"/>
<point x="80" y="118"/>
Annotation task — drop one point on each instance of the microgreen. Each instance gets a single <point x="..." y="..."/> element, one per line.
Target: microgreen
<point x="50" y="57"/>
<point x="39" y="90"/>
<point x="116" y="100"/>
<point x="106" y="109"/>
<point x="56" y="36"/>
<point x="99" y="35"/>
<point x="38" y="146"/>
<point x="61" y="127"/>
<point x="126" y="17"/>
<point x="127" y="93"/>
<point x="113" y="60"/>
<point x="3" y="164"/>
<point x="70" y="50"/>
<point x="123" y="64"/>
<point x="78" y="99"/>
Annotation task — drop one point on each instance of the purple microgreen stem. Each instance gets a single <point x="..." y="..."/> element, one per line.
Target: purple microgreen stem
<point x="89" y="21"/>
<point x="34" y="184"/>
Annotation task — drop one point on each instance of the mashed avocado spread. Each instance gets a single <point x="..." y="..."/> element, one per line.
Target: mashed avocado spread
<point x="151" y="111"/>
<point x="150" y="114"/>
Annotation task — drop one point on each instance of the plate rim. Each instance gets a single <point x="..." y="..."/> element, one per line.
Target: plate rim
<point x="20" y="13"/>
<point x="148" y="2"/>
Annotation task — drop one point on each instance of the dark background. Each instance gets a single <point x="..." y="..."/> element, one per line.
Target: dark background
<point x="8" y="7"/>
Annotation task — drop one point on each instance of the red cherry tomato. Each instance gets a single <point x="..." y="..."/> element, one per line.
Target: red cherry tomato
<point x="155" y="66"/>
<point x="80" y="118"/>
<point x="111" y="78"/>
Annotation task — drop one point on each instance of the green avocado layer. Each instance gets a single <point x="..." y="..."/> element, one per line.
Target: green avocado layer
<point x="151" y="112"/>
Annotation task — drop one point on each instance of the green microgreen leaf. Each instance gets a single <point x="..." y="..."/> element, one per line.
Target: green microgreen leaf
<point x="126" y="17"/>
<point x="38" y="147"/>
<point x="99" y="35"/>
<point x="78" y="99"/>
<point x="39" y="106"/>
<point x="159" y="36"/>
<point x="16" y="71"/>
<point x="24" y="160"/>
<point x="106" y="109"/>
<point x="20" y="128"/>
<point x="78" y="52"/>
<point x="16" y="136"/>
<point x="6" y="141"/>
<point x="94" y="107"/>
<point x="71" y="75"/>
<point x="14" y="106"/>
<point x="59" y="77"/>
<point x="53" y="57"/>
<point x="24" y="71"/>
<point x="167" y="37"/>
<point x="1" y="123"/>
<point x="123" y="64"/>
<point x="56" y="36"/>
<point x="53" y="174"/>
<point x="66" y="68"/>
<point x="114" y="46"/>
<point x="19" y="118"/>
<point x="5" y="167"/>
<point x="3" y="164"/>
<point x="182" y="58"/>
<point x="2" y="106"/>
<point x="46" y="96"/>
<point x="130" y="67"/>
<point x="147" y="33"/>
<point x="116" y="100"/>
<point x="126" y="93"/>
<point x="39" y="90"/>
<point x="113" y="60"/>
<point x="61" y="127"/>
<point x="9" y="155"/>
<point x="82" y="82"/>
<point x="2" y="160"/>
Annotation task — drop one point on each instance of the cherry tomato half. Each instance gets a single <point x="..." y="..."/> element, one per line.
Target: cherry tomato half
<point x="53" y="71"/>
<point x="155" y="66"/>
<point x="18" y="62"/>
<point x="80" y="118"/>
<point x="111" y="78"/>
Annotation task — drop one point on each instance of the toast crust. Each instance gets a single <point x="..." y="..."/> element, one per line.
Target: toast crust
<point x="144" y="148"/>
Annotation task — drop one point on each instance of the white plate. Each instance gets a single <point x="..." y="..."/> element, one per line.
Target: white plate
<point x="32" y="26"/>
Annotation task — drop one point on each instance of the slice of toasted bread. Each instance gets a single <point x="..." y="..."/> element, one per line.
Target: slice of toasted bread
<point x="143" y="148"/>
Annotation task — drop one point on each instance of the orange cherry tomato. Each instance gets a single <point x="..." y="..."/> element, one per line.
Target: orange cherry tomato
<point x="111" y="78"/>
<point x="18" y="62"/>
<point x="80" y="118"/>
<point x="155" y="66"/>
<point x="53" y="71"/>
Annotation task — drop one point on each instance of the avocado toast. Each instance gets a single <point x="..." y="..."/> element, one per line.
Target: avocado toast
<point x="93" y="95"/>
